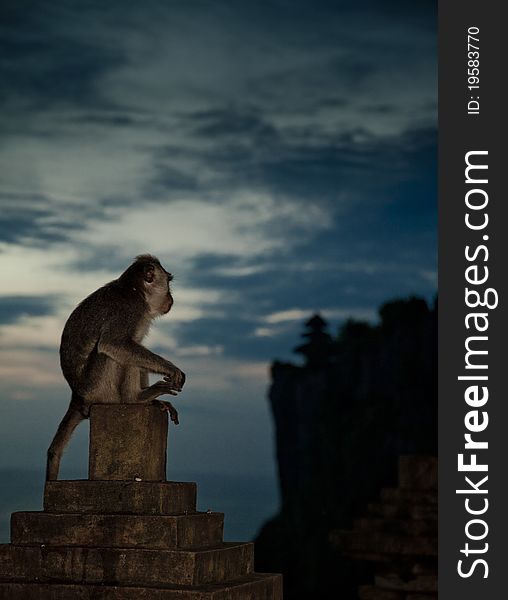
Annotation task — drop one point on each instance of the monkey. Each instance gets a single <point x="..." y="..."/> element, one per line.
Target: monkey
<point x="101" y="355"/>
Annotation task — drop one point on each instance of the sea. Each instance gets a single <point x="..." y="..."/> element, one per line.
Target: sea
<point x="248" y="500"/>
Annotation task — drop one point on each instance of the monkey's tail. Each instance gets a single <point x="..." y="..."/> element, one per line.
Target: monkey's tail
<point x="68" y="424"/>
<point x="78" y="404"/>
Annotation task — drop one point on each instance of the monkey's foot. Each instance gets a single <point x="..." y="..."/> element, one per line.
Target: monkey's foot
<point x="167" y="406"/>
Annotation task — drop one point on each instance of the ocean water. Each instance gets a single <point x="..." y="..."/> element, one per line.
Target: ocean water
<point x="247" y="500"/>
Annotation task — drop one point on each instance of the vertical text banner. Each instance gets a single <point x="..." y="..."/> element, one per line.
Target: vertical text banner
<point x="473" y="296"/>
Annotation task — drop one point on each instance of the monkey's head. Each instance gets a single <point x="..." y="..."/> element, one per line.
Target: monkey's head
<point x="152" y="280"/>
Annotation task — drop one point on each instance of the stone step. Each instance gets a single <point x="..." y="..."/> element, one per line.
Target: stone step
<point x="418" y="472"/>
<point x="421" y="585"/>
<point x="372" y="592"/>
<point x="132" y="497"/>
<point x="257" y="586"/>
<point x="117" y="531"/>
<point x="370" y="545"/>
<point x="410" y="527"/>
<point x="404" y="511"/>
<point x="126" y="566"/>
<point x="407" y="497"/>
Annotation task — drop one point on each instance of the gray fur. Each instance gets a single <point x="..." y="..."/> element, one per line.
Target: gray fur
<point x="101" y="354"/>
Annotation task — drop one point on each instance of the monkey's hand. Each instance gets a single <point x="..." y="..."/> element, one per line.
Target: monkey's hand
<point x="176" y="378"/>
<point x="167" y="406"/>
<point x="157" y="389"/>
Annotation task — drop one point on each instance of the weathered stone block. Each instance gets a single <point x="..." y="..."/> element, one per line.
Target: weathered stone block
<point x="117" y="531"/>
<point x="143" y="497"/>
<point x="368" y="543"/>
<point x="372" y="592"/>
<point x="407" y="497"/>
<point x="128" y="442"/>
<point x="399" y="535"/>
<point x="257" y="586"/>
<point x="418" y="472"/>
<point x="126" y="566"/>
<point x="411" y="527"/>
<point x="405" y="510"/>
<point x="423" y="584"/>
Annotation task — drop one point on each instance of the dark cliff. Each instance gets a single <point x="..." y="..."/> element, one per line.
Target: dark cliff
<point x="342" y="420"/>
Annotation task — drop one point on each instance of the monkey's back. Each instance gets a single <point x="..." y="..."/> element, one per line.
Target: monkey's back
<point x="83" y="330"/>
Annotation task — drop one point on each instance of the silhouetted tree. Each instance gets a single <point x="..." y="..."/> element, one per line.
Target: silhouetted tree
<point x="318" y="347"/>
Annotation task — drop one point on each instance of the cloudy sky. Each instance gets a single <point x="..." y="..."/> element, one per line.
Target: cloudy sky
<point x="279" y="158"/>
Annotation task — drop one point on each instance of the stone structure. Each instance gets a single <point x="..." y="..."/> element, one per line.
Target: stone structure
<point x="341" y="421"/>
<point x="126" y="533"/>
<point x="398" y="536"/>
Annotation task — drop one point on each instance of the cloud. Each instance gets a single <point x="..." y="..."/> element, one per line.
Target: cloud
<point x="129" y="84"/>
<point x="26" y="370"/>
<point x="241" y="226"/>
<point x="272" y="154"/>
<point x="30" y="272"/>
<point x="297" y="314"/>
<point x="14" y="307"/>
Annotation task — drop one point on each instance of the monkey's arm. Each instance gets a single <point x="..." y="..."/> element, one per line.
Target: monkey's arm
<point x="143" y="378"/>
<point x="127" y="352"/>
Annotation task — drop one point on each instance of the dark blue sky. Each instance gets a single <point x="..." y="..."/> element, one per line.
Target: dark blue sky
<point x="279" y="157"/>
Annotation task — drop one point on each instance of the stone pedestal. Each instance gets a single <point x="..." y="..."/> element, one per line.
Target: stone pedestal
<point x="127" y="441"/>
<point x="126" y="533"/>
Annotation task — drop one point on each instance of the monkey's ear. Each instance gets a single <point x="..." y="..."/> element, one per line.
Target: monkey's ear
<point x="149" y="273"/>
